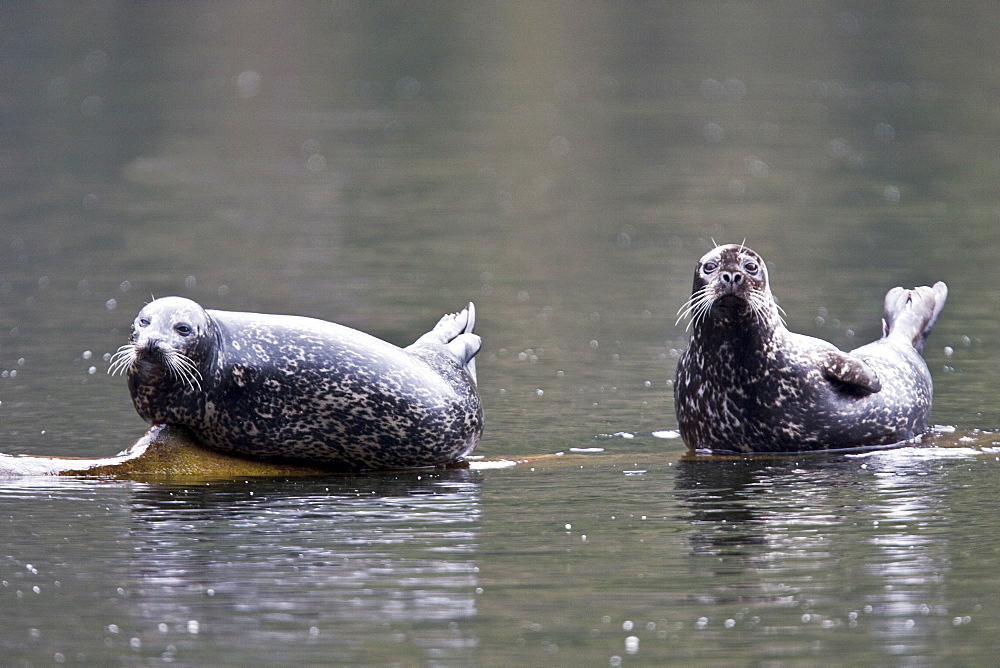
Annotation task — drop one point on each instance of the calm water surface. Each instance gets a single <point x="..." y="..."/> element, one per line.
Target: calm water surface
<point x="564" y="165"/>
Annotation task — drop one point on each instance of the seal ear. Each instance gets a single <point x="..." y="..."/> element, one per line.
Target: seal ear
<point x="850" y="374"/>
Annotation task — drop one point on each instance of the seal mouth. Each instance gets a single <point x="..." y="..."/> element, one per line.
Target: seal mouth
<point x="131" y="357"/>
<point x="707" y="302"/>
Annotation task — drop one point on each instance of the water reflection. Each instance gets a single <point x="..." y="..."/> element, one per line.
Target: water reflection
<point x="325" y="569"/>
<point x="825" y="542"/>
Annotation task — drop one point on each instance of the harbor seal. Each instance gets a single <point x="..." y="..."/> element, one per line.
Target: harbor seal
<point x="278" y="387"/>
<point x="748" y="384"/>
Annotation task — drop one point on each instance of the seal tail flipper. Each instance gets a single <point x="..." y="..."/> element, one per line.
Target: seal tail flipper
<point x="910" y="314"/>
<point x="454" y="332"/>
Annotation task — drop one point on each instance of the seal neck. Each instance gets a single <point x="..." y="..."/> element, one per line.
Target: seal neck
<point x="745" y="332"/>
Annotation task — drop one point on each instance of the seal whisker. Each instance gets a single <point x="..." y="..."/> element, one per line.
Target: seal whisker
<point x="696" y="307"/>
<point x="123" y="358"/>
<point x="183" y="369"/>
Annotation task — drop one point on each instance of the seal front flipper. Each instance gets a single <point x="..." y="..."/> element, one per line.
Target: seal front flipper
<point x="850" y="374"/>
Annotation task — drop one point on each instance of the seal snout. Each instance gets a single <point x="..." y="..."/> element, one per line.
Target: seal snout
<point x="733" y="278"/>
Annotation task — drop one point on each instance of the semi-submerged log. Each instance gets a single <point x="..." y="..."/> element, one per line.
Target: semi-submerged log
<point x="161" y="452"/>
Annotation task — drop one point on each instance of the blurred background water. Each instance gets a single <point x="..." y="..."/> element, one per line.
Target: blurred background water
<point x="563" y="165"/>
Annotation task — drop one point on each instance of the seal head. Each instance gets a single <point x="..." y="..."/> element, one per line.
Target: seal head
<point x="747" y="384"/>
<point x="293" y="388"/>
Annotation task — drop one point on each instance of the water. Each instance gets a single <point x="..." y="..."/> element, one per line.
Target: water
<point x="563" y="165"/>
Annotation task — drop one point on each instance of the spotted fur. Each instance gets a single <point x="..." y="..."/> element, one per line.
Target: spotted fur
<point x="294" y="388"/>
<point x="747" y="384"/>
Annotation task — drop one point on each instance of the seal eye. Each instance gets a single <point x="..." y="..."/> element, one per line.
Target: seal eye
<point x="143" y="322"/>
<point x="710" y="266"/>
<point x="183" y="329"/>
<point x="751" y="267"/>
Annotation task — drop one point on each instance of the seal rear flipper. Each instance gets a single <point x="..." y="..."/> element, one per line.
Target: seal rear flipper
<point x="911" y="314"/>
<point x="464" y="348"/>
<point x="850" y="374"/>
<point x="450" y="326"/>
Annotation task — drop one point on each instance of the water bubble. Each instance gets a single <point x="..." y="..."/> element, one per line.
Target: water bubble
<point x="837" y="148"/>
<point x="95" y="62"/>
<point x="190" y="282"/>
<point x="627" y="625"/>
<point x="631" y="645"/>
<point x="539" y="392"/>
<point x="316" y="163"/>
<point x="193" y="627"/>
<point x="891" y="194"/>
<point x="850" y="24"/>
<point x="711" y="89"/>
<point x="310" y="147"/>
<point x="56" y="89"/>
<point x="408" y="88"/>
<point x="248" y="84"/>
<point x="125" y="286"/>
<point x="757" y="167"/>
<point x="113" y="628"/>
<point x="713" y="132"/>
<point x="92" y="370"/>
<point x="949" y="351"/>
<point x="884" y="132"/>
<point x="559" y="145"/>
<point x="92" y="106"/>
<point x="111" y="304"/>
<point x="734" y="89"/>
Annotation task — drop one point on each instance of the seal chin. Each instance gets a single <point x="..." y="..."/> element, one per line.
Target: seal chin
<point x="729" y="306"/>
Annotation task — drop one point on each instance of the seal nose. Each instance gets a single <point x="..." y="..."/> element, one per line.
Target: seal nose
<point x="733" y="278"/>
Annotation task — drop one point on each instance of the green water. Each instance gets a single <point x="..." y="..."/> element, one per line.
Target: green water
<point x="563" y="165"/>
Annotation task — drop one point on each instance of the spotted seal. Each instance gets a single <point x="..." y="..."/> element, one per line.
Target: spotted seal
<point x="281" y="387"/>
<point x="746" y="383"/>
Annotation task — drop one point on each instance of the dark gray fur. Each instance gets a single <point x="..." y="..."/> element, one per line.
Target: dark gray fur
<point x="747" y="384"/>
<point x="294" y="388"/>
